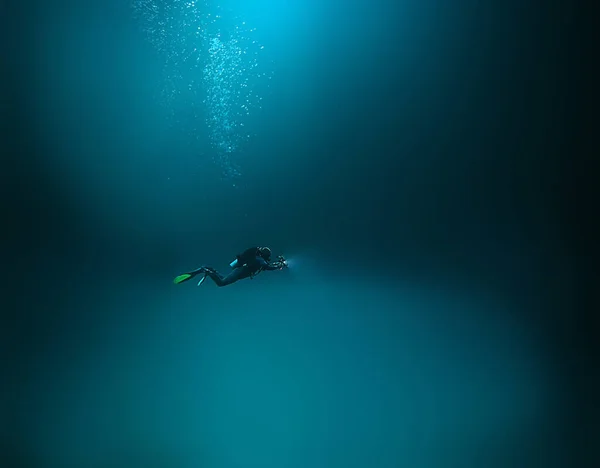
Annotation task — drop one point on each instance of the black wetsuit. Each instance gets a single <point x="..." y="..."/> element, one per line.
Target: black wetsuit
<point x="250" y="263"/>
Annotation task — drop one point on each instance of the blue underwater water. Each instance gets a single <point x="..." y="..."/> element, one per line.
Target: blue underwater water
<point x="212" y="73"/>
<point x="398" y="154"/>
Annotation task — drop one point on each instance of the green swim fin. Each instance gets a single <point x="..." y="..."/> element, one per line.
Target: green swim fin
<point x="182" y="278"/>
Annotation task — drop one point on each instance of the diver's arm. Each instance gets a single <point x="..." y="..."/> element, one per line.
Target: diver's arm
<point x="264" y="265"/>
<point x="278" y="265"/>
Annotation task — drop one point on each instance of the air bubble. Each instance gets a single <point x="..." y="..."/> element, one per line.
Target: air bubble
<point x="182" y="30"/>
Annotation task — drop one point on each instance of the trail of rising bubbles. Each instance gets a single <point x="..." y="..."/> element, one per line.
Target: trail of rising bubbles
<point x="211" y="74"/>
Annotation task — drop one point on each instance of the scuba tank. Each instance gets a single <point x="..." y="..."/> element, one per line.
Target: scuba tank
<point x="235" y="264"/>
<point x="245" y="257"/>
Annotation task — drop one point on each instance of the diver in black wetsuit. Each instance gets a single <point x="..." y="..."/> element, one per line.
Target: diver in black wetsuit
<point x="246" y="265"/>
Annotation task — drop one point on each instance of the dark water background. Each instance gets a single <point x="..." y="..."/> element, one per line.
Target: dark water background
<point x="412" y="159"/>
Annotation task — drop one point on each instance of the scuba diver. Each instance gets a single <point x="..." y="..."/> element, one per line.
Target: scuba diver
<point x="246" y="265"/>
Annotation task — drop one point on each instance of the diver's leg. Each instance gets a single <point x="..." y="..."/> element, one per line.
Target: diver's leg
<point x="235" y="275"/>
<point x="189" y="275"/>
<point x="214" y="275"/>
<point x="197" y="271"/>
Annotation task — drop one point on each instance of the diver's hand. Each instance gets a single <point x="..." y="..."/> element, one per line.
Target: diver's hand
<point x="281" y="263"/>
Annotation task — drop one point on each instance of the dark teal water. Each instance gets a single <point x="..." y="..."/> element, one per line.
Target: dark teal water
<point x="405" y="156"/>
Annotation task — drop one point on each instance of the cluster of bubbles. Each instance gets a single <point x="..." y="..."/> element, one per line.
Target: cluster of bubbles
<point x="210" y="75"/>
